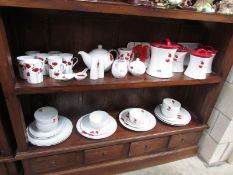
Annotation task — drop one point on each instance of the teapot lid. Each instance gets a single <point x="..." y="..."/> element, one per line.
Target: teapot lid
<point x="167" y="45"/>
<point x="202" y="53"/>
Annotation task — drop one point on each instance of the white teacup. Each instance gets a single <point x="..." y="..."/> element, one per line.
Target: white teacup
<point x="137" y="116"/>
<point x="21" y="66"/>
<point x="98" y="119"/>
<point x="170" y="107"/>
<point x="44" y="58"/>
<point x="34" y="70"/>
<point x="69" y="61"/>
<point x="56" y="67"/>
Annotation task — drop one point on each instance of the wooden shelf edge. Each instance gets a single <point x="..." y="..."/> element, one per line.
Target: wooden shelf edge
<point x="4" y="159"/>
<point x="109" y="83"/>
<point x="118" y="8"/>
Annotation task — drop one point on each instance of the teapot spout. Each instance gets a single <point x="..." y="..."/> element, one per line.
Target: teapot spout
<point x="86" y="58"/>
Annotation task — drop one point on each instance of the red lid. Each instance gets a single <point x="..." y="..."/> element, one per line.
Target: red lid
<point x="202" y="53"/>
<point x="182" y="48"/>
<point x="167" y="45"/>
<point x="210" y="49"/>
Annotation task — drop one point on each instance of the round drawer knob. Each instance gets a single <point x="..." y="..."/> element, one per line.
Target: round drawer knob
<point x="53" y="162"/>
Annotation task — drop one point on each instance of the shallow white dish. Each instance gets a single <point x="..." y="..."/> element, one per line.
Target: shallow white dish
<point x="80" y="76"/>
<point x="65" y="77"/>
<point x="36" y="133"/>
<point x="86" y="126"/>
<point x="182" y="118"/>
<point x="60" y="137"/>
<point x="151" y="121"/>
<point x="112" y="126"/>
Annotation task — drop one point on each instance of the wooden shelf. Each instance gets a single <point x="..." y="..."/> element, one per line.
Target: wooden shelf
<point x="50" y="85"/>
<point x="118" y="8"/>
<point x="77" y="142"/>
<point x="4" y="159"/>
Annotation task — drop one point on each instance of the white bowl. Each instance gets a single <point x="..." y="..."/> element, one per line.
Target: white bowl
<point x="98" y="119"/>
<point x="46" y="115"/>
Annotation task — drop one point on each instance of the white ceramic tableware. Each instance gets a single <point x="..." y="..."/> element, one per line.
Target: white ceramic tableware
<point x="98" y="119"/>
<point x="119" y="68"/>
<point x="56" y="67"/>
<point x="21" y="66"/>
<point x="112" y="126"/>
<point x="213" y="53"/>
<point x="54" y="52"/>
<point x="46" y="127"/>
<point x="32" y="53"/>
<point x="178" y="59"/>
<point x="36" y="133"/>
<point x="170" y="107"/>
<point x="44" y="58"/>
<point x="197" y="67"/>
<point x="65" y="77"/>
<point x="125" y="54"/>
<point x="160" y="64"/>
<point x="34" y="71"/>
<point x="181" y="119"/>
<point x="60" y="137"/>
<point x="69" y="61"/>
<point x="46" y="115"/>
<point x="149" y="119"/>
<point x="137" y="116"/>
<point x="81" y="75"/>
<point x="137" y="67"/>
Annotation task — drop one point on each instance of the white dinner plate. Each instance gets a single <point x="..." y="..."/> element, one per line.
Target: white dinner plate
<point x="182" y="118"/>
<point x="149" y="117"/>
<point x="60" y="137"/>
<point x="112" y="126"/>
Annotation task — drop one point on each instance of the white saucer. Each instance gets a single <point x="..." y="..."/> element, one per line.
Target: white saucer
<point x="112" y="126"/>
<point x="60" y="137"/>
<point x="127" y="121"/>
<point x="183" y="117"/>
<point x="37" y="134"/>
<point x="65" y="77"/>
<point x="150" y="118"/>
<point x="85" y="125"/>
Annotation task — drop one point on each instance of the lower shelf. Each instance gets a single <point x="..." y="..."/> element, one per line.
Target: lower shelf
<point x="77" y="142"/>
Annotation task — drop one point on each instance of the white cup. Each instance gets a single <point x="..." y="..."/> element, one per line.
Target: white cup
<point x="34" y="71"/>
<point x="137" y="116"/>
<point x="170" y="107"/>
<point x="44" y="58"/>
<point x="21" y="67"/>
<point x="45" y="127"/>
<point x="56" y="67"/>
<point x="68" y="61"/>
<point x="98" y="119"/>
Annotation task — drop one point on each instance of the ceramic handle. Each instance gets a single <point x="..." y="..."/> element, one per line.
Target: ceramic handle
<point x="74" y="63"/>
<point x="113" y="50"/>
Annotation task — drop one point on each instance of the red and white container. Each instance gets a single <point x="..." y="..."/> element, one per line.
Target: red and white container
<point x="213" y="53"/>
<point x="178" y="60"/>
<point x="162" y="54"/>
<point x="197" y="67"/>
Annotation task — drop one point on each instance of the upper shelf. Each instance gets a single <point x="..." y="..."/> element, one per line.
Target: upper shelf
<point x="117" y="8"/>
<point x="50" y="85"/>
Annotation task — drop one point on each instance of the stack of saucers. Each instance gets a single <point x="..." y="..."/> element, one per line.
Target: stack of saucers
<point x="49" y="128"/>
<point x="171" y="112"/>
<point x="96" y="125"/>
<point x="137" y="119"/>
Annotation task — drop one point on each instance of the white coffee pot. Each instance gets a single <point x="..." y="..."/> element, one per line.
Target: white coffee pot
<point x="162" y="54"/>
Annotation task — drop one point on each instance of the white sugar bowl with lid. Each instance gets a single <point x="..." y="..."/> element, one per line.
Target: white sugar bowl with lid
<point x="46" y="118"/>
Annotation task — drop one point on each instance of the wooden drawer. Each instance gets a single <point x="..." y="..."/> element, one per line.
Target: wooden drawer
<point x="56" y="162"/>
<point x="148" y="146"/>
<point x="184" y="140"/>
<point x="106" y="153"/>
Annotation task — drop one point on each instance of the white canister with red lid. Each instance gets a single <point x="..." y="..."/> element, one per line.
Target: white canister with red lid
<point x="178" y="60"/>
<point x="162" y="54"/>
<point x="197" y="67"/>
<point x="213" y="53"/>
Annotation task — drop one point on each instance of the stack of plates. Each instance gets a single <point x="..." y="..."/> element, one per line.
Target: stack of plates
<point x="181" y="119"/>
<point x="85" y="129"/>
<point x="149" y="121"/>
<point x="53" y="137"/>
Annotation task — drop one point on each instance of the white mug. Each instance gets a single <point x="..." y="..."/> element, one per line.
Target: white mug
<point x="21" y="67"/>
<point x="44" y="58"/>
<point x="34" y="70"/>
<point x="68" y="61"/>
<point x="56" y="67"/>
<point x="170" y="107"/>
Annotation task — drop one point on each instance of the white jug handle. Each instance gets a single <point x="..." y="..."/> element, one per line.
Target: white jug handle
<point x="113" y="50"/>
<point x="62" y="67"/>
<point x="74" y="63"/>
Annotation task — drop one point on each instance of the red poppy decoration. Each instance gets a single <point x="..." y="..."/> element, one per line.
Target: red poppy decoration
<point x="50" y="67"/>
<point x="97" y="132"/>
<point x="56" y="73"/>
<point x="28" y="66"/>
<point x="35" y="69"/>
<point x="46" y="62"/>
<point x="54" y="63"/>
<point x="39" y="58"/>
<point x="169" y="55"/>
<point x="175" y="59"/>
<point x="179" y="116"/>
<point x="202" y="62"/>
<point x="168" y="108"/>
<point x="28" y="74"/>
<point x="69" y="63"/>
<point x="20" y="65"/>
<point x="200" y="66"/>
<point x="111" y="57"/>
<point x="64" y="62"/>
<point x="167" y="60"/>
<point x="131" y="67"/>
<point x="141" y="52"/>
<point x="41" y="70"/>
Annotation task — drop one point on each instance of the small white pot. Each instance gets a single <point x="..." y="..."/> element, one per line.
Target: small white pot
<point x="119" y="68"/>
<point x="137" y="67"/>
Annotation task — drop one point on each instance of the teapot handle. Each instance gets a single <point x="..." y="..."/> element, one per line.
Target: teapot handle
<point x="113" y="50"/>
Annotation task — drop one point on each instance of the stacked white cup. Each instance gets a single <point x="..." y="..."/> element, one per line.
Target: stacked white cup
<point x="170" y="107"/>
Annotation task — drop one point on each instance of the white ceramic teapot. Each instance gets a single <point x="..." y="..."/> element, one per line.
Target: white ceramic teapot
<point x="98" y="53"/>
<point x="119" y="68"/>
